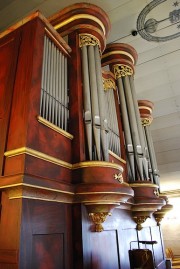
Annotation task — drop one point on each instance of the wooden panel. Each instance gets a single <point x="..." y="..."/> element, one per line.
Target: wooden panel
<point x="10" y="223"/>
<point x="45" y="235"/>
<point x="8" y="256"/>
<point x="76" y="125"/>
<point x="48" y="251"/>
<point x="21" y="100"/>
<point x="105" y="250"/>
<point x="8" y="58"/>
<point x="110" y="248"/>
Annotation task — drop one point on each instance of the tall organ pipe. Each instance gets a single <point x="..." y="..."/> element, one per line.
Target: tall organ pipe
<point x="109" y="115"/>
<point x="139" y="125"/>
<point x="116" y="128"/>
<point x="101" y="99"/>
<point x="152" y="155"/>
<point x="133" y="126"/>
<point x="126" y="125"/>
<point x="94" y="99"/>
<point x="59" y="91"/>
<point x="66" y="95"/>
<point x="87" y="100"/>
<point x="63" y="93"/>
<point x="56" y="88"/>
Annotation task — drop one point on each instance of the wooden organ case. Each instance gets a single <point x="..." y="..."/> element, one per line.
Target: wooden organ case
<point x="78" y="171"/>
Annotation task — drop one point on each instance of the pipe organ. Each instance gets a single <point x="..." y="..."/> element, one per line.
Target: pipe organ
<point x="78" y="169"/>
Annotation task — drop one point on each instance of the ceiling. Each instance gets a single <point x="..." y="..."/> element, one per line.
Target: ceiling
<point x="157" y="76"/>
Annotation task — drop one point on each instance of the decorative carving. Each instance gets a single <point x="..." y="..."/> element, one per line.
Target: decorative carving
<point x="98" y="218"/>
<point x="109" y="84"/>
<point x="158" y="219"/>
<point x="119" y="177"/>
<point x="146" y="121"/>
<point x="139" y="221"/>
<point x="156" y="192"/>
<point x="121" y="70"/>
<point x="88" y="40"/>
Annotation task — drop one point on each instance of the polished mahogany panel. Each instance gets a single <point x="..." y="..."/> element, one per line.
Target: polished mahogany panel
<point x="46" y="235"/>
<point x="8" y="60"/>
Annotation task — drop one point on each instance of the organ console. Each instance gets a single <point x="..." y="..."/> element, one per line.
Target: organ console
<point x="76" y="155"/>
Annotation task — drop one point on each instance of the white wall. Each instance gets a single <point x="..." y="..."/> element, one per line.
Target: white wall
<point x="171" y="227"/>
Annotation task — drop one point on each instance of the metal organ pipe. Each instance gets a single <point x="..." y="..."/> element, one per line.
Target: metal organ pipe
<point x="152" y="155"/>
<point x="126" y="125"/>
<point x="94" y="101"/>
<point x="133" y="127"/>
<point x="96" y="124"/>
<point x="54" y="93"/>
<point x="87" y="100"/>
<point x="101" y="99"/>
<point x="139" y="126"/>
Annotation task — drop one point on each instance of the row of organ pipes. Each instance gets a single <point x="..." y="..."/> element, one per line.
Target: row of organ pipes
<point x="100" y="110"/>
<point x="54" y="88"/>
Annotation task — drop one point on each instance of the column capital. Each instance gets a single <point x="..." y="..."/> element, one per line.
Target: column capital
<point x="108" y="80"/>
<point x="145" y="110"/>
<point x="83" y="18"/>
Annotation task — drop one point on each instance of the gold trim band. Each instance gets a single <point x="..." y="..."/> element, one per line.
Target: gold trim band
<point x="97" y="164"/>
<point x="100" y="203"/>
<point x="37" y="154"/>
<point x="143" y="185"/>
<point x="41" y="199"/>
<point x="118" y="52"/>
<point x="145" y="107"/>
<point x="104" y="192"/>
<point x="36" y="187"/>
<point x="80" y="16"/>
<point x="54" y="127"/>
<point x="45" y="157"/>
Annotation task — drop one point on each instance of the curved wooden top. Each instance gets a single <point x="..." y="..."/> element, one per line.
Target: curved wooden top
<point x="146" y="103"/>
<point x="119" y="53"/>
<point x="83" y="17"/>
<point x="145" y="110"/>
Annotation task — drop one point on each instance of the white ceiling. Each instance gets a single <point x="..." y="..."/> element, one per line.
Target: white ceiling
<point x="157" y="75"/>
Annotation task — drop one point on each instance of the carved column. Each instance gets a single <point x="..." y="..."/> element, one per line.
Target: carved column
<point x="121" y="59"/>
<point x="145" y="108"/>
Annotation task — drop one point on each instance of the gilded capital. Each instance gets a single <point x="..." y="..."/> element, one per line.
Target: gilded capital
<point x="121" y="70"/>
<point x="88" y="40"/>
<point x="109" y="84"/>
<point x="146" y="121"/>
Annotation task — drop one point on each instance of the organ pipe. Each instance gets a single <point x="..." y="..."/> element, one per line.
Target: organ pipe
<point x="139" y="126"/>
<point x="54" y="92"/>
<point x="94" y="101"/>
<point x="152" y="155"/>
<point x="87" y="100"/>
<point x="101" y="99"/>
<point x="126" y="125"/>
<point x="133" y="127"/>
<point x="96" y="125"/>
